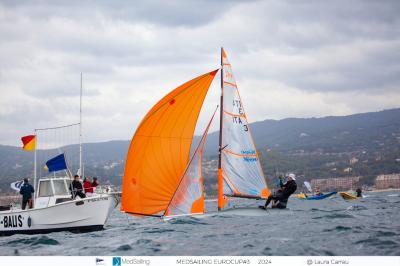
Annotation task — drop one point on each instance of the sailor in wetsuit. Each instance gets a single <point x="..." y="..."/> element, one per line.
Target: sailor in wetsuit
<point x="281" y="197"/>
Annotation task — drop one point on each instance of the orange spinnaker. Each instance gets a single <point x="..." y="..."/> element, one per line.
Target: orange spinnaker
<point x="159" y="150"/>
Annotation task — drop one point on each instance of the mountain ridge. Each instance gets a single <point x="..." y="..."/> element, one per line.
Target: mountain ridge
<point x="377" y="134"/>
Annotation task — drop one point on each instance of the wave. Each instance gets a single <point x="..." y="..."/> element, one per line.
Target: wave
<point x="338" y="228"/>
<point x="334" y="216"/>
<point x="188" y="220"/>
<point x="34" y="241"/>
<point x="125" y="247"/>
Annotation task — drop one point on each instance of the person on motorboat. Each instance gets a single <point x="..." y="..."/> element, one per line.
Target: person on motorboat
<point x="26" y="192"/>
<point x="95" y="182"/>
<point x="77" y="188"/>
<point x="87" y="185"/>
<point x="359" y="192"/>
<point x="280" y="198"/>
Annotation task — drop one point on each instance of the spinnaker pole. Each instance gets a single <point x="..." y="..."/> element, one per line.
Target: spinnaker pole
<point x="220" y="177"/>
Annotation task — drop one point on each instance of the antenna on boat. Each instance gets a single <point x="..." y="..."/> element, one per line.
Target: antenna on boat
<point x="80" y="131"/>
<point x="221" y="110"/>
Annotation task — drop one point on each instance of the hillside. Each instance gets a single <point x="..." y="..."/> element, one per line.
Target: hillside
<point x="311" y="147"/>
<point x="332" y="134"/>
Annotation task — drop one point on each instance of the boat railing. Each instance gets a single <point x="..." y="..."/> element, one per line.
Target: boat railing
<point x="13" y="202"/>
<point x="10" y="202"/>
<point x="105" y="189"/>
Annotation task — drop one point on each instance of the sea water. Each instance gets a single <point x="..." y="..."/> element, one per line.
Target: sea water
<point x="368" y="226"/>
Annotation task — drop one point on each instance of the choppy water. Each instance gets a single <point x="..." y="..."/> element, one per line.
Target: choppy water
<point x="369" y="226"/>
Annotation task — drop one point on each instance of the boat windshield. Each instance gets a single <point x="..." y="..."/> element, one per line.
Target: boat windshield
<point x="45" y="189"/>
<point x="60" y="187"/>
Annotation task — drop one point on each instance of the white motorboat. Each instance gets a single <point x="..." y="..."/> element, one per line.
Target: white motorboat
<point x="55" y="210"/>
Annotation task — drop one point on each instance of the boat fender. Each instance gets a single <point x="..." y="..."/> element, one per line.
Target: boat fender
<point x="79" y="203"/>
<point x="29" y="221"/>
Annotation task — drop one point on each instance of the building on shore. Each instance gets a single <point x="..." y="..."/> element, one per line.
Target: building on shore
<point x="336" y="184"/>
<point x="387" y="181"/>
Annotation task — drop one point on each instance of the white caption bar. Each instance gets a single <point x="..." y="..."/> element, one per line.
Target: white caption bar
<point x="196" y="261"/>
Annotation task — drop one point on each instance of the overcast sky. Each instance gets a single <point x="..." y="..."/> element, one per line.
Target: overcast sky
<point x="290" y="59"/>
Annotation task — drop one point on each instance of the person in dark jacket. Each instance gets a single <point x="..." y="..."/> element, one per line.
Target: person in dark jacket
<point x="26" y="192"/>
<point x="359" y="192"/>
<point x="77" y="188"/>
<point x="95" y="182"/>
<point x="280" y="198"/>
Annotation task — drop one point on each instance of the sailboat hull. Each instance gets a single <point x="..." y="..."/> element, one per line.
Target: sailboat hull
<point x="80" y="215"/>
<point x="348" y="196"/>
<point x="319" y="197"/>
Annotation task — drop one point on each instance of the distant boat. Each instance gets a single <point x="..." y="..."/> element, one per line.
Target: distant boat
<point x="162" y="179"/>
<point x="317" y="197"/>
<point x="348" y="196"/>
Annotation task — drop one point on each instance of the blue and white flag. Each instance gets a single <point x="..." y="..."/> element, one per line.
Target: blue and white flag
<point x="17" y="185"/>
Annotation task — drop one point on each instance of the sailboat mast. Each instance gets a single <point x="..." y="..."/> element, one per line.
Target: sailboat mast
<point x="220" y="178"/>
<point x="80" y="131"/>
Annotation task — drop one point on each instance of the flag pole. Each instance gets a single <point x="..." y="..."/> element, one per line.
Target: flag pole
<point x="34" y="167"/>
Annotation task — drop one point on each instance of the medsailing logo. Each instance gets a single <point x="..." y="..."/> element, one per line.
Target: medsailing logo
<point x="116" y="261"/>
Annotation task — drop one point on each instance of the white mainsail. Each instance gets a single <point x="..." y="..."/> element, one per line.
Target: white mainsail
<point x="241" y="170"/>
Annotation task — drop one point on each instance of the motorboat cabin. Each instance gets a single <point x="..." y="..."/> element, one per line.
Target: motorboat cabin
<point x="52" y="191"/>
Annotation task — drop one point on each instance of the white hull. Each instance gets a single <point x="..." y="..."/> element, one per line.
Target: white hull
<point x="86" y="214"/>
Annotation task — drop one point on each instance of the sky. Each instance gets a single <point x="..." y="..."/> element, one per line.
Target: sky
<point x="290" y="59"/>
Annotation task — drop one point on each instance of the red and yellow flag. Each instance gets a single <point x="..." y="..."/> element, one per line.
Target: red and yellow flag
<point x="29" y="142"/>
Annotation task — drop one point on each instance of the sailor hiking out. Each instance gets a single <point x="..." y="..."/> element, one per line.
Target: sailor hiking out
<point x="280" y="198"/>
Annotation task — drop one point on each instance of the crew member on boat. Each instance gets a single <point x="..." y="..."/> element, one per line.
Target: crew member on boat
<point x="87" y="185"/>
<point x="77" y="188"/>
<point x="95" y="182"/>
<point x="281" y="197"/>
<point x="26" y="192"/>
